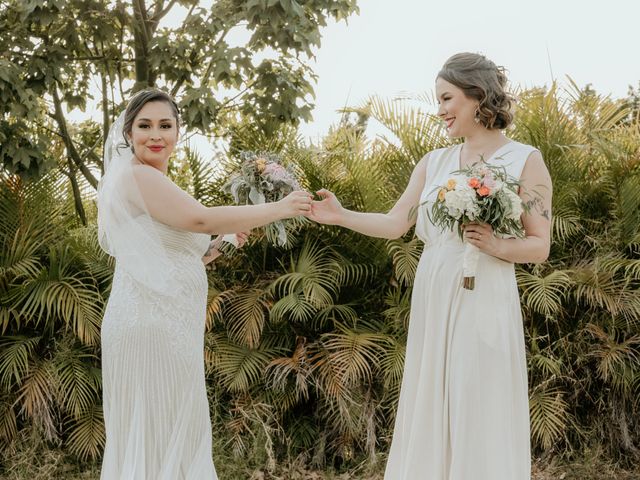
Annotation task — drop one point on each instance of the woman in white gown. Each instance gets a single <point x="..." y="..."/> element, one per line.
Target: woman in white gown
<point x="155" y="403"/>
<point x="463" y="410"/>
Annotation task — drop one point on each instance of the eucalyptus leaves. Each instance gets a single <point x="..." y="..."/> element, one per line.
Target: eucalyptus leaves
<point x="261" y="179"/>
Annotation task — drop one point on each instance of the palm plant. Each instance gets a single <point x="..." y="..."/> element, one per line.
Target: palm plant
<point x="52" y="280"/>
<point x="582" y="306"/>
<point x="305" y="344"/>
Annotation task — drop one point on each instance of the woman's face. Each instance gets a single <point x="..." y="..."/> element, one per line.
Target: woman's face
<point x="456" y="109"/>
<point x="154" y="134"/>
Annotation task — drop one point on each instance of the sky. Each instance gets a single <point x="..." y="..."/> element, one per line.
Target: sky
<point x="396" y="47"/>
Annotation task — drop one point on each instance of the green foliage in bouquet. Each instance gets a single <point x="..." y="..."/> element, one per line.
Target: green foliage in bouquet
<point x="479" y="193"/>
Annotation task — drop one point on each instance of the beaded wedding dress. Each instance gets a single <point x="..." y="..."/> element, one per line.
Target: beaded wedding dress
<point x="156" y="410"/>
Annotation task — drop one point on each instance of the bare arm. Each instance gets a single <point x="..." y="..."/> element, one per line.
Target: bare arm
<point x="169" y="204"/>
<point x="382" y="225"/>
<point x="536" y="192"/>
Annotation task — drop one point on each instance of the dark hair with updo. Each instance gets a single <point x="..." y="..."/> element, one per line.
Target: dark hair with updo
<point x="139" y="100"/>
<point x="479" y="78"/>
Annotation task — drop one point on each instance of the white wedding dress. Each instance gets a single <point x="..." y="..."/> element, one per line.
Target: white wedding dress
<point x="155" y="403"/>
<point x="463" y="412"/>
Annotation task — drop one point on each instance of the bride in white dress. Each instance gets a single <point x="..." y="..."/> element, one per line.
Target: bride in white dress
<point x="155" y="403"/>
<point x="463" y="411"/>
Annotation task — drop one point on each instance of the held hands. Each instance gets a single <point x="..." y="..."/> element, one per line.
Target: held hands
<point x="481" y="235"/>
<point x="296" y="203"/>
<point x="328" y="210"/>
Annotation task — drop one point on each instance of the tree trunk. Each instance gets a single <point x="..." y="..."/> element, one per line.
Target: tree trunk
<point x="77" y="196"/>
<point x="141" y="37"/>
<point x="105" y="114"/>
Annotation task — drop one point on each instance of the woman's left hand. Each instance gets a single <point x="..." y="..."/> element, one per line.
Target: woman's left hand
<point x="242" y="238"/>
<point x="481" y="235"/>
<point x="214" y="247"/>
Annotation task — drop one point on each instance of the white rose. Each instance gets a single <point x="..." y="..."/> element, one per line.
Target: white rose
<point x="461" y="200"/>
<point x="515" y="203"/>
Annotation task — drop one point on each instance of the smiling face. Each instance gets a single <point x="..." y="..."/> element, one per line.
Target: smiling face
<point x="154" y="134"/>
<point x="456" y="109"/>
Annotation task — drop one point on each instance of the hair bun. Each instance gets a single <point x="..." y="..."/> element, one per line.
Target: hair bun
<point x="481" y="79"/>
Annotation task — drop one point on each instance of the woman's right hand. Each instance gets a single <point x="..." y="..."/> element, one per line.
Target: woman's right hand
<point x="295" y="204"/>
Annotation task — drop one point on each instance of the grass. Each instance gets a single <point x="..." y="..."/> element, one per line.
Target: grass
<point x="34" y="459"/>
<point x="53" y="466"/>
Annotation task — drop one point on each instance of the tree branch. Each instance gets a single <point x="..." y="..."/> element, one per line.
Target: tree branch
<point x="160" y="12"/>
<point x="72" y="153"/>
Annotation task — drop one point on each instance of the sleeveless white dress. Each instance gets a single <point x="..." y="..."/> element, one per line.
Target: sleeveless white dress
<point x="463" y="412"/>
<point x="155" y="403"/>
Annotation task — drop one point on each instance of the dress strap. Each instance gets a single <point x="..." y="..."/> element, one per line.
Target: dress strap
<point x="514" y="158"/>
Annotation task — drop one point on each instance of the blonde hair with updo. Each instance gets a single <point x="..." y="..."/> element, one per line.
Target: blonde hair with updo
<point x="482" y="80"/>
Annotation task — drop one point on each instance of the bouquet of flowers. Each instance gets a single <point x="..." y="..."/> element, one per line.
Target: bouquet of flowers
<point x="261" y="179"/>
<point x="481" y="193"/>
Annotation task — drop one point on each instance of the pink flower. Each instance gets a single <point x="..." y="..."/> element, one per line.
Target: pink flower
<point x="277" y="173"/>
<point x="489" y="181"/>
<point x="273" y="169"/>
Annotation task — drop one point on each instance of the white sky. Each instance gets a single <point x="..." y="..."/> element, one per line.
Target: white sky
<point x="398" y="46"/>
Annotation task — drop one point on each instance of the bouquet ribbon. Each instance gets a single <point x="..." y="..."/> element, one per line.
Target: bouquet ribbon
<point x="230" y="238"/>
<point x="470" y="259"/>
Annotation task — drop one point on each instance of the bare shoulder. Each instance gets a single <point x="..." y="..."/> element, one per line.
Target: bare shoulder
<point x="535" y="159"/>
<point x="150" y="179"/>
<point x="146" y="173"/>
<point x="535" y="168"/>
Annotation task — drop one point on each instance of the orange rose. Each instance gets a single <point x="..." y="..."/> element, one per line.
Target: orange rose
<point x="474" y="182"/>
<point x="483" y="191"/>
<point x="441" y="194"/>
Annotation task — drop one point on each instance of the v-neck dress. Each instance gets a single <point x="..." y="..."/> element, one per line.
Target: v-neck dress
<point x="463" y="412"/>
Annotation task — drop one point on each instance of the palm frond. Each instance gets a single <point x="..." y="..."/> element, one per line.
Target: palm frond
<point x="79" y="380"/>
<point x="8" y="421"/>
<point x="543" y="294"/>
<point x="238" y="367"/>
<point x="86" y="433"/>
<point x="245" y="314"/>
<point x="354" y="352"/>
<point x="16" y="354"/>
<point x="59" y="293"/>
<point x="36" y="397"/>
<point x="549" y="416"/>
<point x="406" y="256"/>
